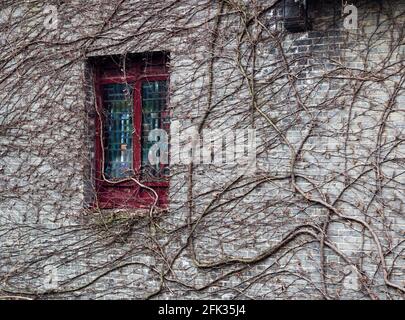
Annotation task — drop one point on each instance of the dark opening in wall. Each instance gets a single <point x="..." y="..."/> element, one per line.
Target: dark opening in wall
<point x="295" y="14"/>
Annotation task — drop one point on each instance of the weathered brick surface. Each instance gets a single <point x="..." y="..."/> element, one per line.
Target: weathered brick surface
<point x="47" y="178"/>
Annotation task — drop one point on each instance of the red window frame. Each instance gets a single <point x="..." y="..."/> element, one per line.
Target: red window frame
<point x="127" y="193"/>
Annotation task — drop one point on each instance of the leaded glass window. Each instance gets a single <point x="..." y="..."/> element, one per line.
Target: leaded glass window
<point x="131" y="102"/>
<point x="118" y="129"/>
<point x="154" y="116"/>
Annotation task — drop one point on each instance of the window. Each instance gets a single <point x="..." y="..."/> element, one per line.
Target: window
<point x="296" y="15"/>
<point x="131" y="102"/>
<point x="118" y="128"/>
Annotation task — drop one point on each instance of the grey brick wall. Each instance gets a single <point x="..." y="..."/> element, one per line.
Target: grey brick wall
<point x="335" y="96"/>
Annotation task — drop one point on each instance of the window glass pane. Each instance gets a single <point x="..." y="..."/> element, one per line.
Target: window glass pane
<point x="154" y="116"/>
<point x="118" y="128"/>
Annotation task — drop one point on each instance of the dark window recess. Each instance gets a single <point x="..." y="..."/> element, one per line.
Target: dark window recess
<point x="296" y="15"/>
<point x="131" y="102"/>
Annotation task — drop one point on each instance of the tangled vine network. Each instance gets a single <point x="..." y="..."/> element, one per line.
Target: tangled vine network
<point x="320" y="217"/>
